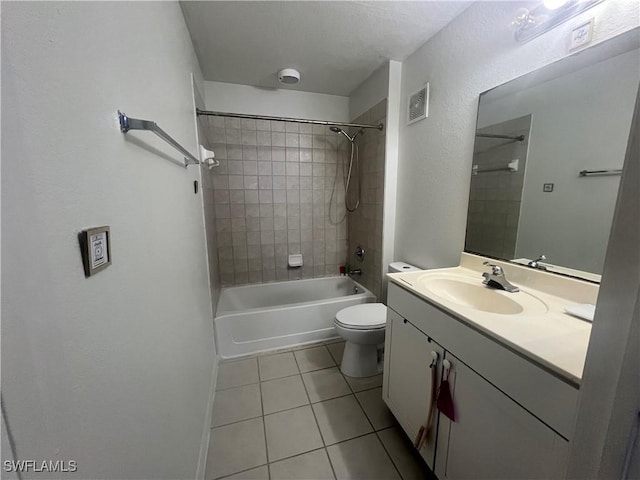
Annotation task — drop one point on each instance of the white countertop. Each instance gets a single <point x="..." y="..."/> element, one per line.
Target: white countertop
<point x="547" y="336"/>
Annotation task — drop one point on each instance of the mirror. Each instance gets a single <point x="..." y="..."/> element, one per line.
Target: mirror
<point x="547" y="160"/>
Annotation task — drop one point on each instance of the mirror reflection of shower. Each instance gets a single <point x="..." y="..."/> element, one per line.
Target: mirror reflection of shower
<point x="348" y="173"/>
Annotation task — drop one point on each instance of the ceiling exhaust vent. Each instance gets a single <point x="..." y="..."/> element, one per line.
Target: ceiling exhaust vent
<point x="418" y="105"/>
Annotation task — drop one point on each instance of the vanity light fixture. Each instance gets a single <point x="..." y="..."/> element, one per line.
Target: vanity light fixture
<point x="529" y="24"/>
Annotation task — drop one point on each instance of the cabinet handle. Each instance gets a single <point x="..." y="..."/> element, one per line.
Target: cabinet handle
<point x="425" y="429"/>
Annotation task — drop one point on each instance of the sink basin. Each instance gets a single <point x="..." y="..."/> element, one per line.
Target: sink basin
<point x="471" y="293"/>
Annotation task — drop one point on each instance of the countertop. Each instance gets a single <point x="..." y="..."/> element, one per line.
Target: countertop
<point x="547" y="336"/>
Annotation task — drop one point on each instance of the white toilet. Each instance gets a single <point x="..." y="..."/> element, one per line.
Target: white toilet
<point x="362" y="326"/>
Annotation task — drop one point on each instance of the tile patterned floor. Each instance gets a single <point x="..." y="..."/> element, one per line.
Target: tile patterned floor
<point x="293" y="415"/>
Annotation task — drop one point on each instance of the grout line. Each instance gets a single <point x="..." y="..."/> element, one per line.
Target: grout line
<point x="241" y="471"/>
<point x="237" y="386"/>
<point x="264" y="425"/>
<point x="364" y="412"/>
<point x="298" y="455"/>
<point x="330" y="463"/>
<point x="235" y="422"/>
<point x="280" y="378"/>
<point x="384" y="447"/>
<point x="312" y="410"/>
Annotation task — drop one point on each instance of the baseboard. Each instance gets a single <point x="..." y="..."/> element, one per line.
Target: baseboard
<point x="206" y="432"/>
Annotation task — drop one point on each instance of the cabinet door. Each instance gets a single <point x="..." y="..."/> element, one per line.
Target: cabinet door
<point x="407" y="378"/>
<point x="494" y="437"/>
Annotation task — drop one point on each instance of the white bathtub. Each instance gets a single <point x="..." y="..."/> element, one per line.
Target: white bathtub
<point x="256" y="318"/>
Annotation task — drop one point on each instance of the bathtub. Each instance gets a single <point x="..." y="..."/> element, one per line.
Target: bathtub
<point x="257" y="318"/>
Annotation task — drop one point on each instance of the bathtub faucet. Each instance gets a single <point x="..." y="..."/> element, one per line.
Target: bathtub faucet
<point x="357" y="271"/>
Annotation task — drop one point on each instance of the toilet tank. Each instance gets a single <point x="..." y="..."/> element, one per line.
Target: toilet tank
<point x="396" y="267"/>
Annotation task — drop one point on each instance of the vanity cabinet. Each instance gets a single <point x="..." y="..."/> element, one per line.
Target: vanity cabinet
<point x="513" y="418"/>
<point x="407" y="380"/>
<point x="493" y="437"/>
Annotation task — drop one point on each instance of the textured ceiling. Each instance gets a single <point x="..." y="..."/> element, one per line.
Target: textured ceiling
<point x="335" y="45"/>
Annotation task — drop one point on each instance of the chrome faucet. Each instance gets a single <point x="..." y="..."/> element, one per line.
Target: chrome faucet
<point x="497" y="279"/>
<point x="536" y="263"/>
<point x="356" y="271"/>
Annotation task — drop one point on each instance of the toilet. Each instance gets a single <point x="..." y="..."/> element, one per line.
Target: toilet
<point x="362" y="327"/>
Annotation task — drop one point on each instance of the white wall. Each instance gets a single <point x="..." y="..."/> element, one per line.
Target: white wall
<point x="391" y="168"/>
<point x="474" y="53"/>
<point x="235" y="98"/>
<point x="112" y="371"/>
<point x="580" y="121"/>
<point x="370" y="92"/>
<point x="610" y="389"/>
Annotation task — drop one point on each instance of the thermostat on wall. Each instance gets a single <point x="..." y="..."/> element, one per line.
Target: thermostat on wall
<point x="95" y="245"/>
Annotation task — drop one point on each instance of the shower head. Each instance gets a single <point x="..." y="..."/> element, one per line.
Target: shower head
<point x="350" y="138"/>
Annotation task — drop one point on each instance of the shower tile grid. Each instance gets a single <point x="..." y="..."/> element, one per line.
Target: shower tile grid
<point x="271" y="197"/>
<point x="365" y="224"/>
<point x="294" y="415"/>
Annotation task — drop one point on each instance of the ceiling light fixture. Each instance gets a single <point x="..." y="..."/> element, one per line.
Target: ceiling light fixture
<point x="288" y="76"/>
<point x="554" y="4"/>
<point x="529" y="24"/>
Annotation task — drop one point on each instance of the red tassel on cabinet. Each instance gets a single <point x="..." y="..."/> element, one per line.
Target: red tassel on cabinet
<point x="445" y="400"/>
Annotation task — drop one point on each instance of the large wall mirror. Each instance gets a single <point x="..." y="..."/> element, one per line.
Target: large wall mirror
<point x="548" y="155"/>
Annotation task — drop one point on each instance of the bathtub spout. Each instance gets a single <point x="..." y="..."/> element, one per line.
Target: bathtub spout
<point x="357" y="271"/>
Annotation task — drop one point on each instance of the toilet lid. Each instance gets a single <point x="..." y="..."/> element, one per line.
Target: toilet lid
<point x="363" y="316"/>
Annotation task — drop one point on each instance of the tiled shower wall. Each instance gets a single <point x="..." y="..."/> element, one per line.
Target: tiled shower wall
<point x="495" y="197"/>
<point x="365" y="224"/>
<point x="273" y="196"/>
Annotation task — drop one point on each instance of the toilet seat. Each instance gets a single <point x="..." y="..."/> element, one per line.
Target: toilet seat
<point x="366" y="316"/>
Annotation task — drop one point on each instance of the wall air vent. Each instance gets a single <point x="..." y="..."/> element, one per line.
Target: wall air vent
<point x="418" y="105"/>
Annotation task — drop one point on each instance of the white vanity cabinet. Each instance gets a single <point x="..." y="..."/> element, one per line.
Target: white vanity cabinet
<point x="493" y="437"/>
<point x="513" y="418"/>
<point x="407" y="378"/>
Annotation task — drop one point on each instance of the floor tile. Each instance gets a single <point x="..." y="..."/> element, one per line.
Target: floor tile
<point x="325" y="384"/>
<point x="236" y="447"/>
<point x="336" y="349"/>
<point x="260" y="473"/>
<point x="238" y="403"/>
<point x="283" y="393"/>
<point x="304" y="346"/>
<point x="313" y="465"/>
<point x="341" y="419"/>
<point x="377" y="411"/>
<point x="362" y="458"/>
<point x="277" y="366"/>
<point x="273" y="352"/>
<point x="364" y="383"/>
<point x="315" y="358"/>
<point x="291" y="432"/>
<point x="235" y="374"/>
<point x="403" y="455"/>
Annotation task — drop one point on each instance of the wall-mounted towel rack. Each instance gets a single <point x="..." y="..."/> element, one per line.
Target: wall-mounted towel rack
<point x="512" y="167"/>
<point x="127" y="124"/>
<point x="519" y="138"/>
<point x="612" y="171"/>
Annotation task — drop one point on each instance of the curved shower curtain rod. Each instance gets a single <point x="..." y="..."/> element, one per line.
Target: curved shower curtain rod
<point x="199" y="112"/>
